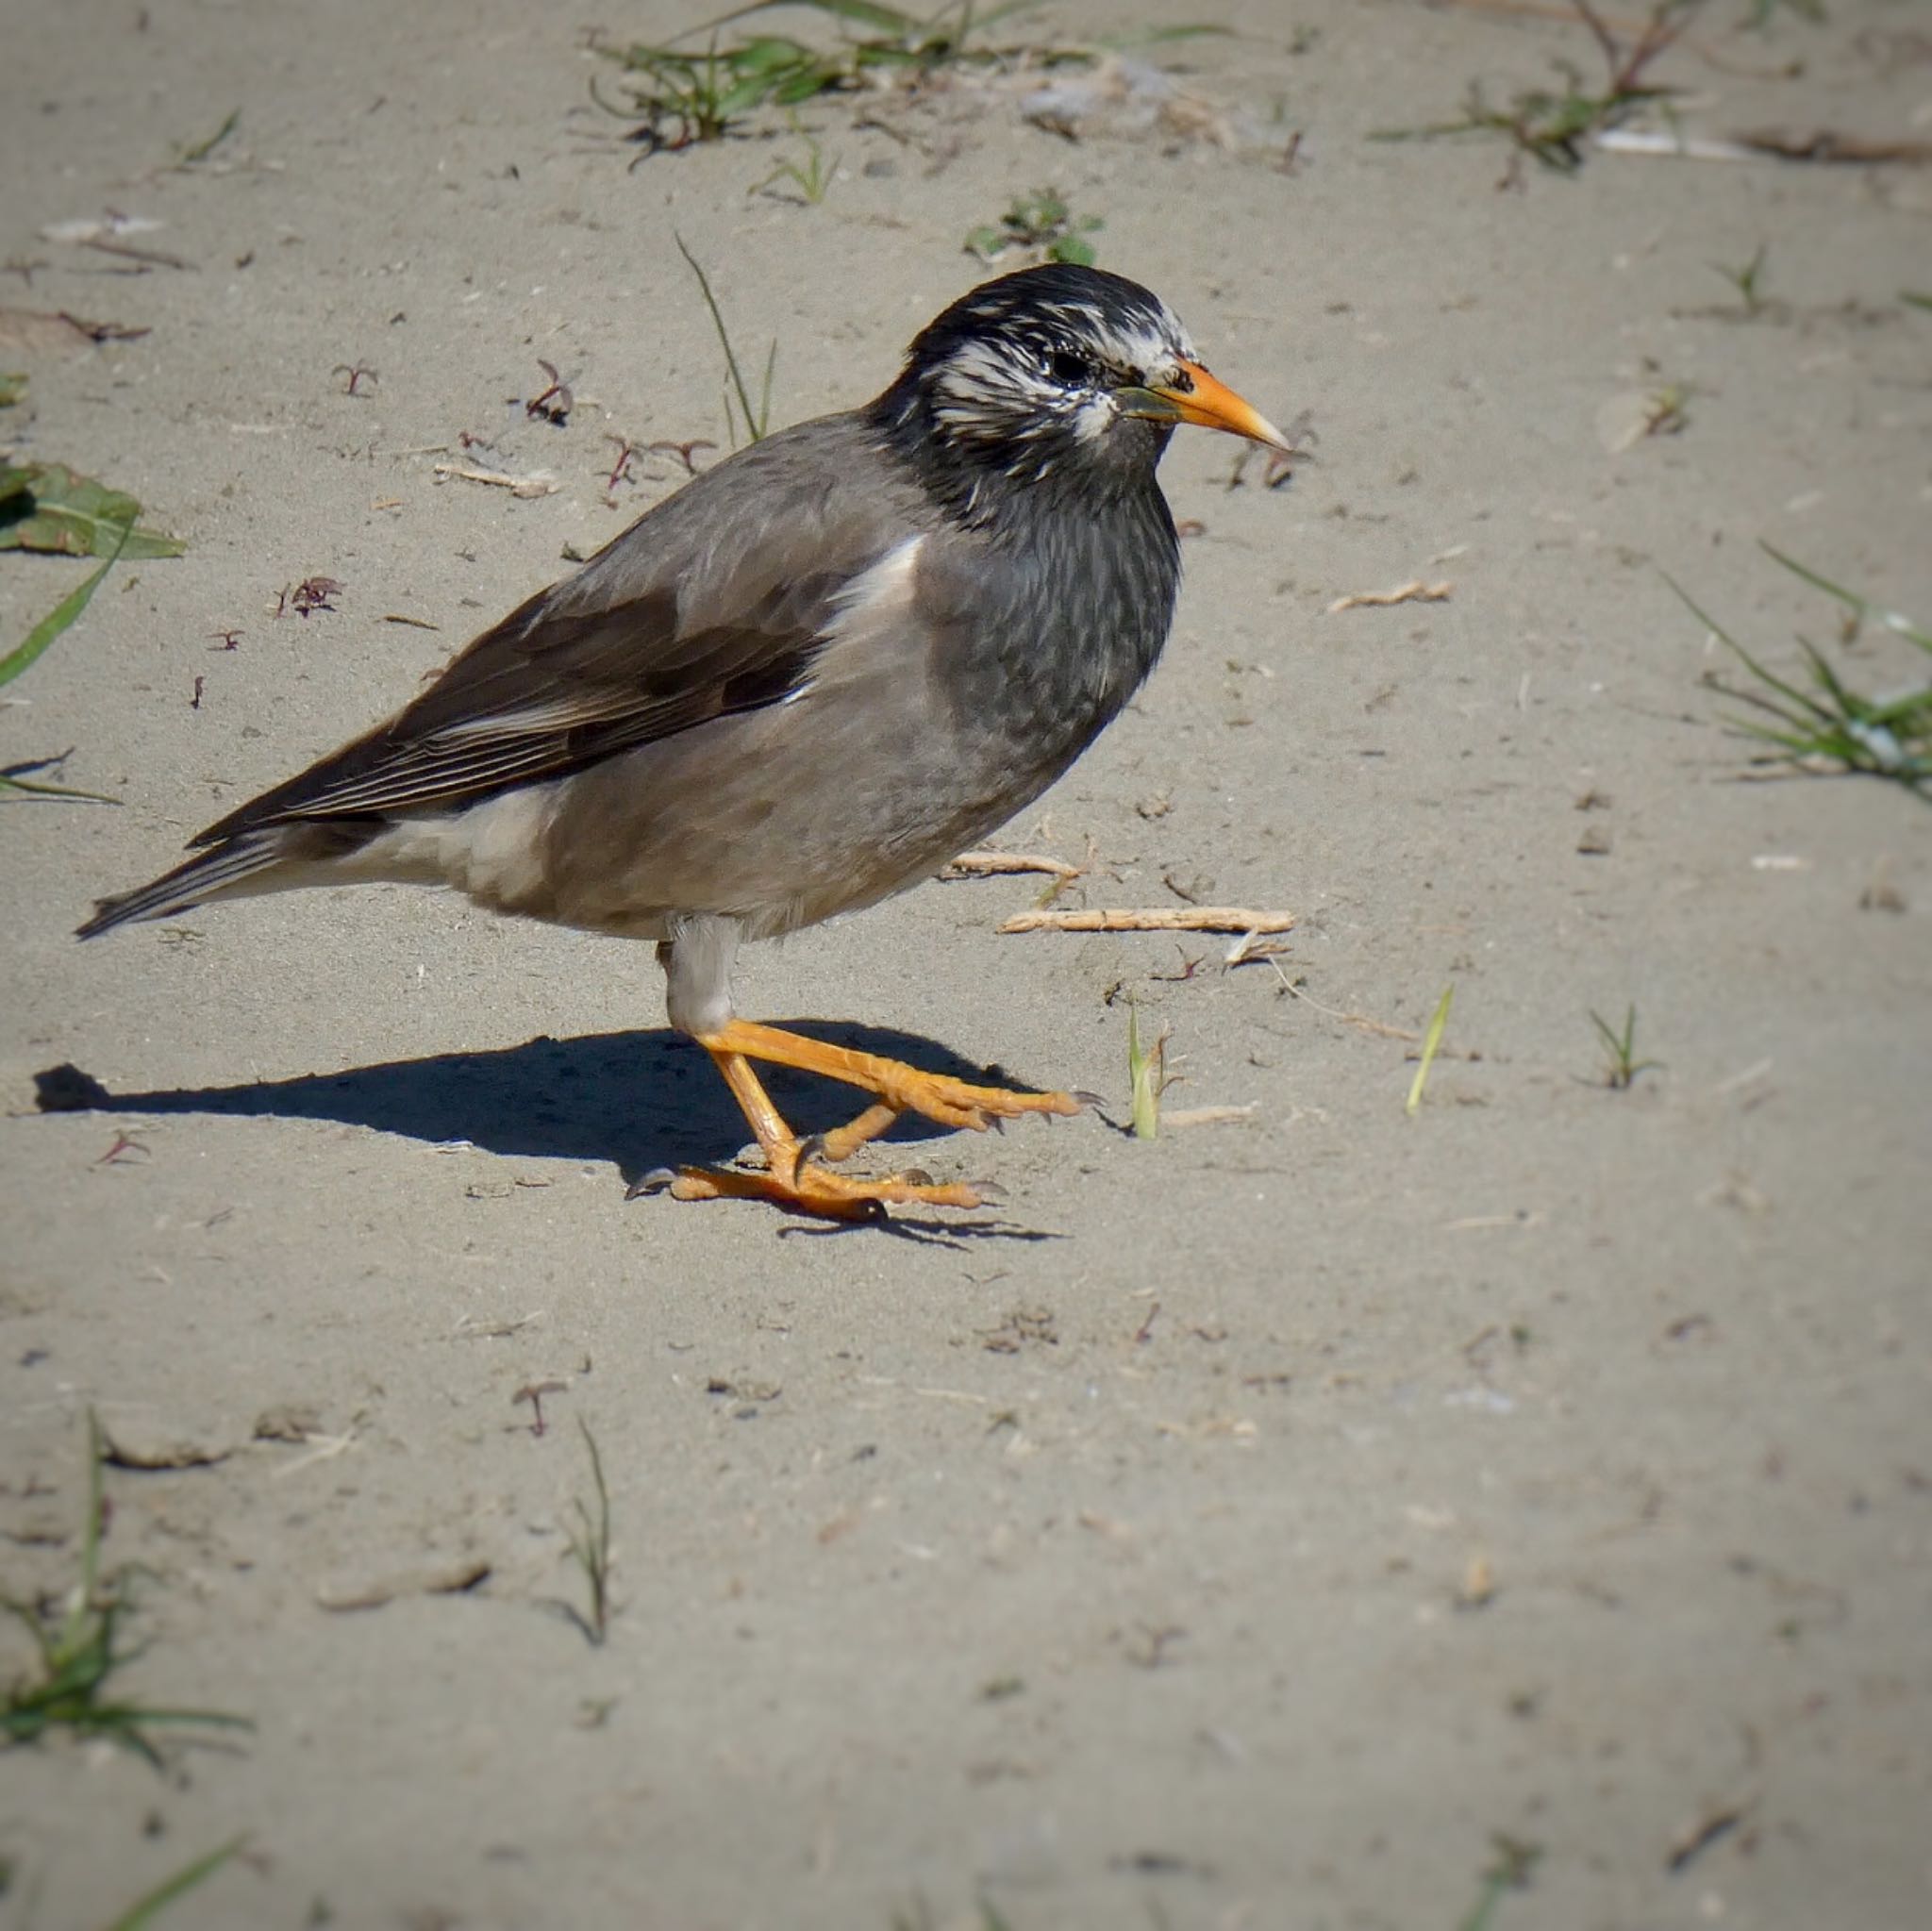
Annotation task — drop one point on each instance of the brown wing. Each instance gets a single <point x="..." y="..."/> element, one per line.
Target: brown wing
<point x="715" y="601"/>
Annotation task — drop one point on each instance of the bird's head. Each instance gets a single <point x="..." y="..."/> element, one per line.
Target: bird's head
<point x="1059" y="373"/>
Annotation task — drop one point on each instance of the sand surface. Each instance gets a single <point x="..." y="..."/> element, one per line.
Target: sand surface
<point x="1240" y="1529"/>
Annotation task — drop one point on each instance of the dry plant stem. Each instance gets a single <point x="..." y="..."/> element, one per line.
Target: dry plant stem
<point x="1154" y="919"/>
<point x="1381" y="1028"/>
<point x="1667" y="21"/>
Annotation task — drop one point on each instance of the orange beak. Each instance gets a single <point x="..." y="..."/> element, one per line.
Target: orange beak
<point x="1197" y="397"/>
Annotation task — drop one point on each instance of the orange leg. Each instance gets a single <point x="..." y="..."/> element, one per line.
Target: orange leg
<point x="796" y="1175"/>
<point x="903" y="1087"/>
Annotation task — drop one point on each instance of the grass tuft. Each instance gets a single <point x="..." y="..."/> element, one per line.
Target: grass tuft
<point x="1551" y="126"/>
<point x="811" y="176"/>
<point x="1621" y="1064"/>
<point x="1830" y="726"/>
<point x="78" y="1652"/>
<point x="686" y="97"/>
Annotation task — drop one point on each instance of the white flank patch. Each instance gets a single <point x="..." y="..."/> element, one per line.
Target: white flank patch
<point x="878" y="596"/>
<point x="493" y="850"/>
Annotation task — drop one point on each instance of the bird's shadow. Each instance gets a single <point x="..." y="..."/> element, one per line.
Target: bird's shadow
<point x="641" y="1100"/>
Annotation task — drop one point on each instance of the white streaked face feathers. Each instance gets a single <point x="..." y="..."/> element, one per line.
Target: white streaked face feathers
<point x="1043" y="381"/>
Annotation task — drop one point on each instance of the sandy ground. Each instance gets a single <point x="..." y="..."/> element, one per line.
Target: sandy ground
<point x="1235" y="1530"/>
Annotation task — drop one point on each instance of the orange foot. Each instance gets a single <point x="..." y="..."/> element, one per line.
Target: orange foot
<point x="808" y="1188"/>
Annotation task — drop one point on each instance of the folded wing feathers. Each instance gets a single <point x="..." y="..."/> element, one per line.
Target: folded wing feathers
<point x="541" y="696"/>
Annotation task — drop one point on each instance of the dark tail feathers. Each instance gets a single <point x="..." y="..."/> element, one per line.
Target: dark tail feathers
<point x="217" y="873"/>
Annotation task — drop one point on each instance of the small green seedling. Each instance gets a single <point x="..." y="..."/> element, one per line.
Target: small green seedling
<point x="1040" y="225"/>
<point x="76" y="1653"/>
<point x="1510" y="1870"/>
<point x="1622" y="1065"/>
<point x="1748" y="279"/>
<point x="811" y="177"/>
<point x="755" y="421"/>
<point x="1432" y="1041"/>
<point x="589" y="1547"/>
<point x="1147" y="1077"/>
<point x="1831" y="727"/>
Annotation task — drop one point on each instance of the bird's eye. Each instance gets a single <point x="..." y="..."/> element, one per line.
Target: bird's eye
<point x="1074" y="370"/>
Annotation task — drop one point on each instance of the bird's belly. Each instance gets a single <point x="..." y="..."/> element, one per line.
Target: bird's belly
<point x="779" y="818"/>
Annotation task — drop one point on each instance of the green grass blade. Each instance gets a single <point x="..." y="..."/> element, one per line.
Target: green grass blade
<point x="145" y="1910"/>
<point x="58" y="619"/>
<point x="1848" y="704"/>
<point x="979" y="17"/>
<point x="724" y="337"/>
<point x="863" y="13"/>
<point x="1851" y="599"/>
<point x="36" y="787"/>
<point x="1913" y="710"/>
<point x="765" y="392"/>
<point x="1432" y="1041"/>
<point x="202" y="149"/>
<point x="1862" y="607"/>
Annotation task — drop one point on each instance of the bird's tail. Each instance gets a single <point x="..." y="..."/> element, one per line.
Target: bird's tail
<point x="277" y="858"/>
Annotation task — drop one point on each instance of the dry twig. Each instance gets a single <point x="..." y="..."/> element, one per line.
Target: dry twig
<point x="1155" y="919"/>
<point x="1416" y="593"/>
<point x="997" y="864"/>
<point x="539" y="483"/>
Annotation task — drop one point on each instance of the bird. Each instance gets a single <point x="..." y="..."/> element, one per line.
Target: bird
<point x="795" y="686"/>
